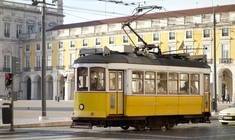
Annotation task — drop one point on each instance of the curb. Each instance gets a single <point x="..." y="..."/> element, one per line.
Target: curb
<point x="46" y="124"/>
<point x="213" y="117"/>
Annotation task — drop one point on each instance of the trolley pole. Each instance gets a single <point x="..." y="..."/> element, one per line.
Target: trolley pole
<point x="12" y="112"/>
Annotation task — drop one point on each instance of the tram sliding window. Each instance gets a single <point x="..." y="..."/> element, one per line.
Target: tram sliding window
<point x="194" y="84"/>
<point x="82" y="79"/>
<point x="173" y="83"/>
<point x="161" y="82"/>
<point x="184" y="83"/>
<point x="150" y="82"/>
<point x="137" y="82"/>
<point x="97" y="77"/>
<point x="206" y="83"/>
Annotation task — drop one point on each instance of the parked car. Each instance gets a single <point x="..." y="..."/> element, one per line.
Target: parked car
<point x="227" y="115"/>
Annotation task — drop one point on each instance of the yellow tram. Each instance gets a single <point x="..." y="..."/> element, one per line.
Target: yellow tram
<point x="140" y="89"/>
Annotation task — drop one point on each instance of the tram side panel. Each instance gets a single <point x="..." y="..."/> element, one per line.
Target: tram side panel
<point x="163" y="105"/>
<point x="140" y="106"/>
<point x="167" y="105"/>
<point x="190" y="105"/>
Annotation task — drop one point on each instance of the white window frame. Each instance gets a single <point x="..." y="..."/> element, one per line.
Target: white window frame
<point x="225" y="32"/>
<point x="225" y="50"/>
<point x="189" y="49"/>
<point x="27" y="48"/>
<point x="27" y="62"/>
<point x="85" y="42"/>
<point x="7" y="30"/>
<point x="38" y="61"/>
<point x="30" y="28"/>
<point x="172" y="36"/>
<point x="98" y="41"/>
<point x="72" y="58"/>
<point x="207" y="50"/>
<point x="188" y="35"/>
<point x="111" y="40"/>
<point x="60" y="45"/>
<point x="171" y="49"/>
<point x="49" y="46"/>
<point x="72" y="44"/>
<point x="49" y="60"/>
<point x="206" y="33"/>
<point x="38" y="47"/>
<point x="7" y="61"/>
<point x="156" y="37"/>
<point x="60" y="59"/>
<point x="125" y="39"/>
<point x="18" y="30"/>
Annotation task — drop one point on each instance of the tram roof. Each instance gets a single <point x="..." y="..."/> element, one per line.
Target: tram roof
<point x="181" y="60"/>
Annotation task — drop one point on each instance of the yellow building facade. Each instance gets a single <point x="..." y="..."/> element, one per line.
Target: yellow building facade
<point x="192" y="29"/>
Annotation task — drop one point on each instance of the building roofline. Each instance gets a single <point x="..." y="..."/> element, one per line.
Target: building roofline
<point x="157" y="15"/>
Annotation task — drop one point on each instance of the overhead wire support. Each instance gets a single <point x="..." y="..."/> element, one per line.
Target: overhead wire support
<point x="135" y="17"/>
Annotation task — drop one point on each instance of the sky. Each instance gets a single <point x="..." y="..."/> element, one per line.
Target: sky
<point x="87" y="10"/>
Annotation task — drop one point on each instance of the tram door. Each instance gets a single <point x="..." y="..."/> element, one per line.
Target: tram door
<point x="116" y="92"/>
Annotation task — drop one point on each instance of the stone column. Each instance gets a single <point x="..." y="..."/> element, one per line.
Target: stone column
<point x="67" y="89"/>
<point x="233" y="90"/>
<point x="23" y="94"/>
<point x="55" y="87"/>
<point x="34" y="91"/>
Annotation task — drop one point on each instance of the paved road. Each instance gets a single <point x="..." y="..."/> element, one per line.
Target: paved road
<point x="205" y="131"/>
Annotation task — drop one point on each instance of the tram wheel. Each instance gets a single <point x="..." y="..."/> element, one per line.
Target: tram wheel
<point x="224" y="123"/>
<point x="155" y="127"/>
<point x="125" y="127"/>
<point x="140" y="128"/>
<point x="169" y="125"/>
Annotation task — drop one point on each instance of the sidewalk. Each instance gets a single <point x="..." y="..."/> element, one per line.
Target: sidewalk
<point x="27" y="113"/>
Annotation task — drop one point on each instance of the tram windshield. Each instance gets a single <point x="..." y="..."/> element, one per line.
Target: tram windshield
<point x="82" y="79"/>
<point x="96" y="80"/>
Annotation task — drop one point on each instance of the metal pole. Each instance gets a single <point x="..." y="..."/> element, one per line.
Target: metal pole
<point x="215" y="79"/>
<point x="12" y="113"/>
<point x="43" y="82"/>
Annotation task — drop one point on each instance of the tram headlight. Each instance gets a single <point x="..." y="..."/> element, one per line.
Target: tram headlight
<point x="81" y="106"/>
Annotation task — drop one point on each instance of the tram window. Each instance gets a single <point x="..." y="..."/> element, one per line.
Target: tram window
<point x="194" y="85"/>
<point x="161" y="82"/>
<point x="206" y="83"/>
<point x="173" y="83"/>
<point x="120" y="79"/>
<point x="137" y="82"/>
<point x="150" y="82"/>
<point x="112" y="81"/>
<point x="97" y="77"/>
<point x="184" y="83"/>
<point x="82" y="79"/>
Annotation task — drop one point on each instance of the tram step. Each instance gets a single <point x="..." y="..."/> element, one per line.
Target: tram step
<point x="81" y="125"/>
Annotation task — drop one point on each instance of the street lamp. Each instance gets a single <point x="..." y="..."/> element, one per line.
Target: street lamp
<point x="215" y="79"/>
<point x="43" y="81"/>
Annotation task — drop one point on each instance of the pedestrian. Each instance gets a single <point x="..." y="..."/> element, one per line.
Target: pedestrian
<point x="223" y="98"/>
<point x="228" y="98"/>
